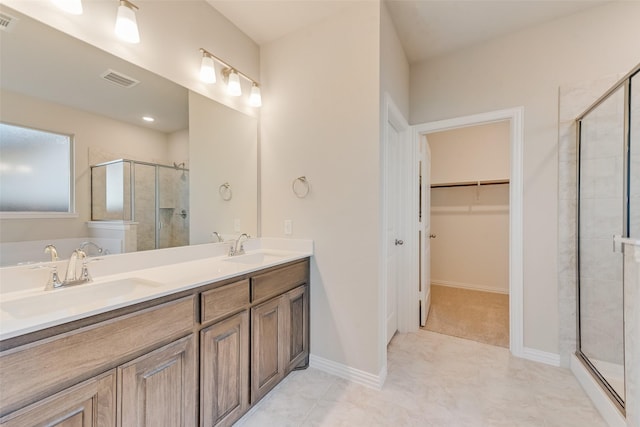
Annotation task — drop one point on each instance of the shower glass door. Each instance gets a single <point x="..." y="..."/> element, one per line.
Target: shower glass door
<point x="602" y="214"/>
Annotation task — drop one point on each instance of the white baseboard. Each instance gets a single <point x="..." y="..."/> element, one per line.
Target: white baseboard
<point x="348" y="373"/>
<point x="545" y="357"/>
<point x="598" y="397"/>
<point x="470" y="286"/>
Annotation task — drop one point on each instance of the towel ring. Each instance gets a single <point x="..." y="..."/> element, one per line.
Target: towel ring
<point x="301" y="187"/>
<point x="225" y="191"/>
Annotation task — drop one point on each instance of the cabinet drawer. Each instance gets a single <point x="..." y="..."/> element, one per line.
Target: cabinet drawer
<point x="90" y="403"/>
<point x="220" y="302"/>
<point x="37" y="369"/>
<point x="276" y="282"/>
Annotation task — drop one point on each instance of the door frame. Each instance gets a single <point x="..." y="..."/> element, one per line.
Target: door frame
<point x="515" y="116"/>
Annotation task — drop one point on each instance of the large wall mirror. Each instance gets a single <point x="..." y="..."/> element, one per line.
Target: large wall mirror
<point x="204" y="151"/>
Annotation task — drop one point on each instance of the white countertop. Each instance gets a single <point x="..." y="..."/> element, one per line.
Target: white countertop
<point x="123" y="280"/>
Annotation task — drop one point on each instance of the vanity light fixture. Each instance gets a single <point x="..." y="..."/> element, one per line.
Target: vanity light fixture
<point x="73" y="7"/>
<point x="126" y="24"/>
<point x="233" y="82"/>
<point x="207" y="68"/>
<point x="230" y="75"/>
<point x="255" y="98"/>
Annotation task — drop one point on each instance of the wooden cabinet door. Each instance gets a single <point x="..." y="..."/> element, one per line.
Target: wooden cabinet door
<point x="159" y="388"/>
<point x="224" y="371"/>
<point x="88" y="404"/>
<point x="267" y="347"/>
<point x="296" y="328"/>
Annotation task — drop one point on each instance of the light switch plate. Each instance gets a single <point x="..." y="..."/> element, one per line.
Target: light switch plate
<point x="236" y="224"/>
<point x="287" y="227"/>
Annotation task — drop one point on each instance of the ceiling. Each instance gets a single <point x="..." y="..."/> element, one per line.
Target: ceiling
<point x="427" y="28"/>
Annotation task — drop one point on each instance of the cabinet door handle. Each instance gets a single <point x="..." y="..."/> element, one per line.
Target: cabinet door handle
<point x="399" y="242"/>
<point x="432" y="236"/>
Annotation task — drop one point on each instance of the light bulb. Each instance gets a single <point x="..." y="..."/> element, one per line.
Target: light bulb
<point x="126" y="24"/>
<point x="70" y="6"/>
<point x="207" y="69"/>
<point x="255" y="99"/>
<point x="233" y="86"/>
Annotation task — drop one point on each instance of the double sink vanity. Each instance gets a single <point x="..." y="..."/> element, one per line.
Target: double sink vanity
<point x="176" y="337"/>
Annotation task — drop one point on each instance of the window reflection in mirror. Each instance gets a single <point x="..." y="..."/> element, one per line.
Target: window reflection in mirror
<point x="35" y="170"/>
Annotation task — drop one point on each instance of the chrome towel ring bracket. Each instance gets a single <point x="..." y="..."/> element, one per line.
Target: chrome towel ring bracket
<point x="301" y="187"/>
<point x="225" y="191"/>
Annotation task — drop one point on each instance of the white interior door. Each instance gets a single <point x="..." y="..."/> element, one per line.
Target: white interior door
<point x="393" y="239"/>
<point x="424" y="288"/>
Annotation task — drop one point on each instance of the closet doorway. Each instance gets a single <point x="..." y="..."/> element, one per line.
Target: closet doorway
<point x="469" y="218"/>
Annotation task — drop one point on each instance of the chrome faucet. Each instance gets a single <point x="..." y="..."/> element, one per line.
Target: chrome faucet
<point x="54" y="280"/>
<point x="233" y="249"/>
<point x="71" y="276"/>
<point x="218" y="236"/>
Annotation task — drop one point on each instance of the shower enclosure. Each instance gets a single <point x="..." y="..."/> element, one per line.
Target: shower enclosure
<point x="154" y="196"/>
<point x="608" y="206"/>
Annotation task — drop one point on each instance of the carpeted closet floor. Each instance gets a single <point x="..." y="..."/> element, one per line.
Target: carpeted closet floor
<point x="475" y="315"/>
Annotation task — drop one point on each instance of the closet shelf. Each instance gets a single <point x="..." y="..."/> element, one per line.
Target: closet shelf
<point x="471" y="183"/>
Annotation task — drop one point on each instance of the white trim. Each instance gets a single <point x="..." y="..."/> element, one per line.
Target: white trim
<point x="348" y="373"/>
<point x="469" y="286"/>
<point x="516" y="286"/>
<point x="540" y="356"/>
<point x="600" y="400"/>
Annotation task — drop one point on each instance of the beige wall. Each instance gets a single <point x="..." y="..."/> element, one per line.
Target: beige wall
<point x="471" y="248"/>
<point x="474" y="153"/>
<point x="320" y="119"/>
<point x="394" y="66"/>
<point x="91" y="133"/>
<point x="526" y="69"/>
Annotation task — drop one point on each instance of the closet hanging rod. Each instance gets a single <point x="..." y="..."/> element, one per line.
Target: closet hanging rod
<point x="470" y="184"/>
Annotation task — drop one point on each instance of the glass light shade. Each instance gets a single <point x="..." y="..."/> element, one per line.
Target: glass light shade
<point x="70" y="6"/>
<point x="126" y="24"/>
<point x="255" y="99"/>
<point x="233" y="87"/>
<point x="207" y="70"/>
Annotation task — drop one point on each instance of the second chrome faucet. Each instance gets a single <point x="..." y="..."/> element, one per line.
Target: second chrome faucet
<point x="234" y="250"/>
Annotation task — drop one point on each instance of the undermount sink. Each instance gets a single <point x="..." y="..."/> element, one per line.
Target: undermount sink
<point x="79" y="298"/>
<point x="257" y="258"/>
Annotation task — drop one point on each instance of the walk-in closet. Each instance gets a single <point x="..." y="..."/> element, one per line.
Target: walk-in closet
<point x="469" y="192"/>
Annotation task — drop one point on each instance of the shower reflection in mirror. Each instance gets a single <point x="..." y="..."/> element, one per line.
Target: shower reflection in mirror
<point x="153" y="196"/>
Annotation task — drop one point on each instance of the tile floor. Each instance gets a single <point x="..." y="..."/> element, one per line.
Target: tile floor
<point x="433" y="380"/>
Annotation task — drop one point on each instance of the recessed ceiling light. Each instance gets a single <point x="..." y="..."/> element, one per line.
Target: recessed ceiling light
<point x="148" y="119"/>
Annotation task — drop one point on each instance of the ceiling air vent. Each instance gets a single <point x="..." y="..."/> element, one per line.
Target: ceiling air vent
<point x="7" y="22"/>
<point x="119" y="79"/>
